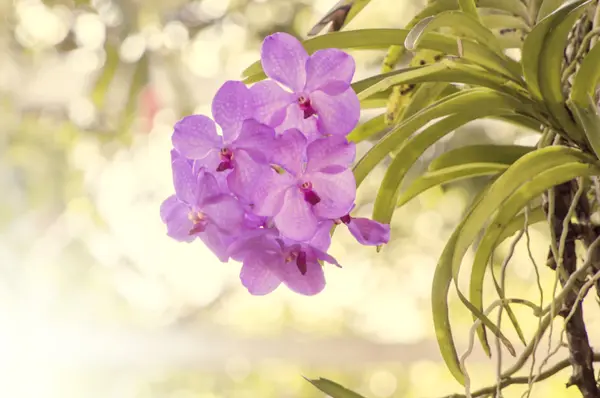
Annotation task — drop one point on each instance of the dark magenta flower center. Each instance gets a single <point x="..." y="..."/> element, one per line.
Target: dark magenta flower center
<point x="300" y="257"/>
<point x="199" y="220"/>
<point x="346" y="219"/>
<point x="306" y="106"/>
<point x="309" y="195"/>
<point x="226" y="157"/>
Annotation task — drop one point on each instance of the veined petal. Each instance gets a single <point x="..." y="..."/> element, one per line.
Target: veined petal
<point x="269" y="192"/>
<point x="369" y="232"/>
<point x="259" y="272"/>
<point x="232" y="105"/>
<point x="284" y="59"/>
<point x="330" y="151"/>
<point x="217" y="242"/>
<point x="337" y="115"/>
<point x="337" y="193"/>
<point x="196" y="136"/>
<point x="324" y="256"/>
<point x="174" y="214"/>
<point x="263" y="240"/>
<point x="296" y="220"/>
<point x="246" y="172"/>
<point x="322" y="239"/>
<point x="184" y="181"/>
<point x="309" y="284"/>
<point x="294" y="119"/>
<point x="290" y="151"/>
<point x="327" y="66"/>
<point x="225" y="212"/>
<point x="207" y="187"/>
<point x="270" y="102"/>
<point x="256" y="139"/>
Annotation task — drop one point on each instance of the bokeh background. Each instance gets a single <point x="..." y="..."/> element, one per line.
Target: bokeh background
<point x="96" y="301"/>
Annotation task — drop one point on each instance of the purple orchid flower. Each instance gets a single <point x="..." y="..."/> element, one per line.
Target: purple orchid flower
<point x="321" y="99"/>
<point x="269" y="260"/>
<point x="244" y="146"/>
<point x="367" y="232"/>
<point x="314" y="184"/>
<point x="199" y="208"/>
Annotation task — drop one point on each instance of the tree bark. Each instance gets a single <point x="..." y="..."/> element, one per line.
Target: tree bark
<point x="580" y="352"/>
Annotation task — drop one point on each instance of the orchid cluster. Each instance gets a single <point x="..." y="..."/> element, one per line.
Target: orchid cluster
<point x="267" y="190"/>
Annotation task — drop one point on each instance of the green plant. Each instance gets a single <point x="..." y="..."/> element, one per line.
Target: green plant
<point x="551" y="90"/>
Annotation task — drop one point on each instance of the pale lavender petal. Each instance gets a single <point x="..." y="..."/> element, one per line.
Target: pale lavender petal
<point x="368" y="232"/>
<point x="217" y="242"/>
<point x="327" y="66"/>
<point x="322" y="238"/>
<point x="184" y="180"/>
<point x="290" y="151"/>
<point x="335" y="87"/>
<point x="256" y="139"/>
<point x="174" y="213"/>
<point x="296" y="220"/>
<point x="263" y="240"/>
<point x="337" y="115"/>
<point x="207" y="187"/>
<point x="284" y="60"/>
<point x="232" y="105"/>
<point x="270" y="102"/>
<point x="269" y="193"/>
<point x="225" y="212"/>
<point x="209" y="162"/>
<point x="323" y="256"/>
<point x="309" y="284"/>
<point x="294" y="119"/>
<point x="330" y="151"/>
<point x="259" y="272"/>
<point x="337" y="193"/>
<point x="246" y="172"/>
<point x="196" y="136"/>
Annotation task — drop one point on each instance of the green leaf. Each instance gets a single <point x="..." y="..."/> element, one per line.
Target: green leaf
<point x="405" y="157"/>
<point x="468" y="7"/>
<point x="446" y="175"/>
<point x="442" y="277"/>
<point x="333" y="389"/>
<point x="550" y="66"/>
<point x="367" y="129"/>
<point x="341" y="14"/>
<point x="503" y="21"/>
<point x="474" y="102"/>
<point x="510" y="208"/>
<point x="526" y="168"/>
<point x="547" y="8"/>
<point x="364" y="39"/>
<point x="486" y="153"/>
<point x="485" y="247"/>
<point x="535" y="43"/>
<point x="587" y="77"/>
<point x="523" y="121"/>
<point x="512" y="7"/>
<point x="461" y="23"/>
<point x="589" y="120"/>
<point x="383" y="38"/>
<point x="423" y="96"/>
<point x="444" y="71"/>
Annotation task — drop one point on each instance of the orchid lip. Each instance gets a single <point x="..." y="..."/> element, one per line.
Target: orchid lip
<point x="199" y="220"/>
<point x="309" y="195"/>
<point x="306" y="106"/>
